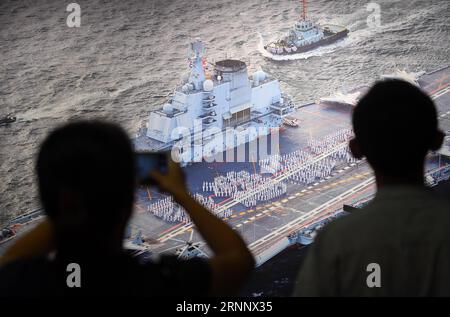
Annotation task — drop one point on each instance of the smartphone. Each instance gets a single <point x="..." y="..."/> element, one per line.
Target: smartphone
<point x="147" y="162"/>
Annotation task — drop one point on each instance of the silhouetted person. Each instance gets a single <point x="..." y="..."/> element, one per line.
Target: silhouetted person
<point x="86" y="175"/>
<point x="399" y="244"/>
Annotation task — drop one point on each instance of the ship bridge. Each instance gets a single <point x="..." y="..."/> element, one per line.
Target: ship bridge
<point x="304" y="25"/>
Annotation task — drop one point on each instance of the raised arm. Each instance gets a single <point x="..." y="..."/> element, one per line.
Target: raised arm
<point x="232" y="260"/>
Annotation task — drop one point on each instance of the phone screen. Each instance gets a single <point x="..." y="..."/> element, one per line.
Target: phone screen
<point x="147" y="162"/>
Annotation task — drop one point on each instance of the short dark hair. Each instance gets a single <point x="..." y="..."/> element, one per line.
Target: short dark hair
<point x="395" y="124"/>
<point x="95" y="161"/>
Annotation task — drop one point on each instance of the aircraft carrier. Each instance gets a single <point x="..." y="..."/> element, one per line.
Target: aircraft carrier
<point x="272" y="222"/>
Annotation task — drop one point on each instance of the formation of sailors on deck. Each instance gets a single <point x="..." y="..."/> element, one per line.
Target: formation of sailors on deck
<point x="168" y="210"/>
<point x="277" y="162"/>
<point x="269" y="193"/>
<point x="284" y="162"/>
<point x="232" y="182"/>
<point x="311" y="172"/>
<point x="314" y="172"/>
<point x="239" y="185"/>
<point x="209" y="203"/>
<point x="329" y="142"/>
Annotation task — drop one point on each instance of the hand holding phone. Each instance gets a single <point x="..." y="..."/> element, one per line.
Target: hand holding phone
<point x="148" y="162"/>
<point x="173" y="181"/>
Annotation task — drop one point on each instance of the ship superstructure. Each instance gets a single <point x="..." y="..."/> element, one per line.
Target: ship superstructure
<point x="210" y="113"/>
<point x="305" y="36"/>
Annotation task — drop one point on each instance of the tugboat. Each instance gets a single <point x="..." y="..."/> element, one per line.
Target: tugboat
<point x="7" y="119"/>
<point x="306" y="36"/>
<point x="209" y="113"/>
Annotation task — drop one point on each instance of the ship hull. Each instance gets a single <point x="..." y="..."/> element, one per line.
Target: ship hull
<point x="218" y="143"/>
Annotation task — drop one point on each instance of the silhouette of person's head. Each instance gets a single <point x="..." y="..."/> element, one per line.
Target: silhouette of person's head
<point x="86" y="174"/>
<point x="395" y="125"/>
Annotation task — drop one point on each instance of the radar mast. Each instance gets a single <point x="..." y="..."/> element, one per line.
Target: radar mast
<point x="304" y="3"/>
<point x="197" y="76"/>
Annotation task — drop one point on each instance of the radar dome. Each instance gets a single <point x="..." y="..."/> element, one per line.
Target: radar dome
<point x="187" y="87"/>
<point x="168" y="108"/>
<point x="258" y="77"/>
<point x="208" y="85"/>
